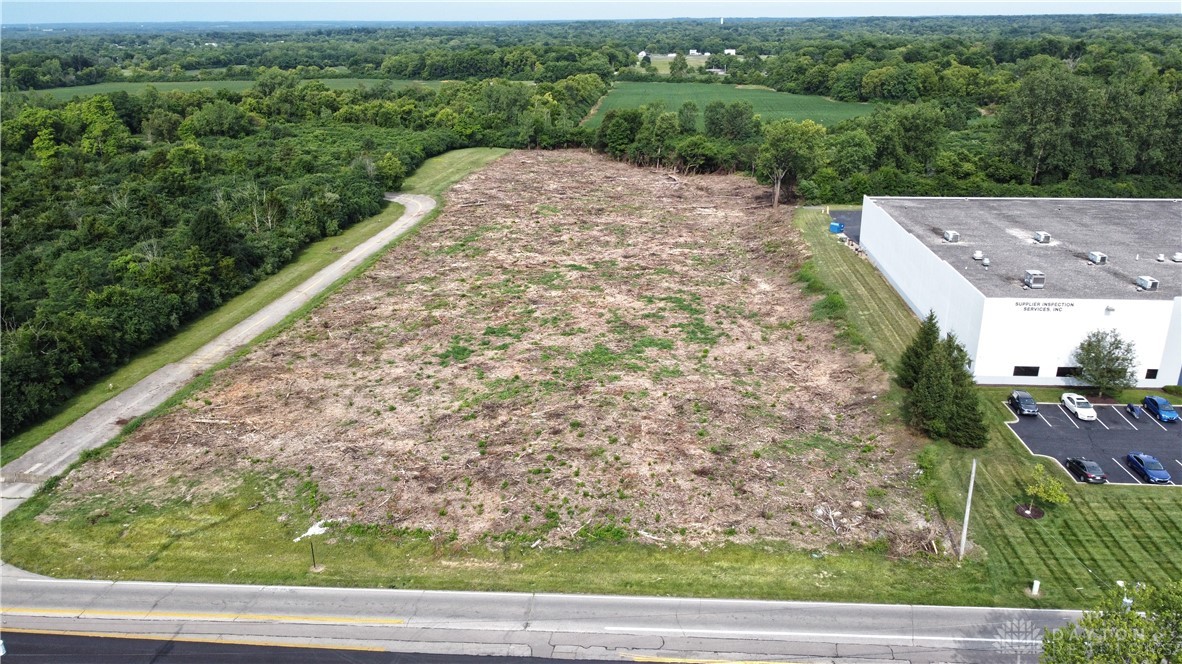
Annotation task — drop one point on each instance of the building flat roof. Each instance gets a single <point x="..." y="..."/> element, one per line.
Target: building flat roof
<point x="1131" y="232"/>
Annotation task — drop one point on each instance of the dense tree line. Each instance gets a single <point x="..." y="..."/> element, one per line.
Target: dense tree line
<point x="931" y="148"/>
<point x="899" y="59"/>
<point x="126" y="216"/>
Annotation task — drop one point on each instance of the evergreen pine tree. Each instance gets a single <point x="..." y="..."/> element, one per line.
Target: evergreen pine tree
<point x="912" y="361"/>
<point x="929" y="402"/>
<point x="966" y="421"/>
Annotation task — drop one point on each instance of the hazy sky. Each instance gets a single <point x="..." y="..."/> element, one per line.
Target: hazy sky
<point x="49" y="11"/>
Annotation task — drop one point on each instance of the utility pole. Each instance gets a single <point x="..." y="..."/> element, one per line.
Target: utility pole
<point x="964" y="531"/>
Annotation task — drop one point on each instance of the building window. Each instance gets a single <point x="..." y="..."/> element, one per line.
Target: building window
<point x="1025" y="371"/>
<point x="1150" y="374"/>
<point x="1067" y="372"/>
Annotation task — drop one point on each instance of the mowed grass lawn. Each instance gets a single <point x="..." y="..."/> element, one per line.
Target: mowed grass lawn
<point x="437" y="175"/>
<point x="432" y="178"/>
<point x="769" y="104"/>
<point x="189" y="86"/>
<point x="1111" y="532"/>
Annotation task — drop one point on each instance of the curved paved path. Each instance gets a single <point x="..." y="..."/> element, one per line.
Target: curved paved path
<point x="22" y="476"/>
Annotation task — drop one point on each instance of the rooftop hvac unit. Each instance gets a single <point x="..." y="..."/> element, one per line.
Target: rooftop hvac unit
<point x="1177" y="258"/>
<point x="1161" y="258"/>
<point x="978" y="255"/>
<point x="951" y="236"/>
<point x="1098" y="258"/>
<point x="1034" y="279"/>
<point x="1147" y="283"/>
<point x="1042" y="237"/>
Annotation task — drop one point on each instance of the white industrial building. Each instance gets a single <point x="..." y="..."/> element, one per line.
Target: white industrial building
<point x="1021" y="281"/>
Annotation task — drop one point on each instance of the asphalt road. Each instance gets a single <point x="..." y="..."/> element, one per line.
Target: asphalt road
<point x="1058" y="434"/>
<point x="42" y="648"/>
<point x="522" y="624"/>
<point x="22" y="476"/>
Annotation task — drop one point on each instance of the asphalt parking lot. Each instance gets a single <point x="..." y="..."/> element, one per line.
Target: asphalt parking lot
<point x="1057" y="434"/>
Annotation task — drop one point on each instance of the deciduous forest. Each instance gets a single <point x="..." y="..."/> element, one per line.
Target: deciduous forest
<point x="128" y="214"/>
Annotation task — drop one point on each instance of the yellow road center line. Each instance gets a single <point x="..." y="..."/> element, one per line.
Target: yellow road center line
<point x="157" y="615"/>
<point x="680" y="661"/>
<point x="194" y="639"/>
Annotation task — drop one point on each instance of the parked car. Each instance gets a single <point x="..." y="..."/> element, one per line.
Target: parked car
<point x="1086" y="470"/>
<point x="1079" y="406"/>
<point x="1023" y="403"/>
<point x="1160" y="408"/>
<point x="1148" y="467"/>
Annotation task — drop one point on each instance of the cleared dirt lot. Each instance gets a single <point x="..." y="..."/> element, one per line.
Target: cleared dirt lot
<point x="575" y="349"/>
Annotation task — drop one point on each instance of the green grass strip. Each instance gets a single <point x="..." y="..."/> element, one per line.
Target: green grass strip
<point x="872" y="306"/>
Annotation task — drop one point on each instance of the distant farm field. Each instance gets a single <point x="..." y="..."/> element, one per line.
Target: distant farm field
<point x="662" y="62"/>
<point x="769" y="104"/>
<point x="189" y="86"/>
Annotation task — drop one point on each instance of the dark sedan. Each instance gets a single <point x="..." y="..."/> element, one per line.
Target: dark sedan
<point x="1148" y="467"/>
<point x="1086" y="470"/>
<point x="1023" y="403"/>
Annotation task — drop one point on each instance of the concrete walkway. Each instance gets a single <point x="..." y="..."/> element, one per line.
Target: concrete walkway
<point x="20" y="478"/>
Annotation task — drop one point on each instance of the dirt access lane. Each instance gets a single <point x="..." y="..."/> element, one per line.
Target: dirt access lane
<point x="22" y="476"/>
<point x="576" y="349"/>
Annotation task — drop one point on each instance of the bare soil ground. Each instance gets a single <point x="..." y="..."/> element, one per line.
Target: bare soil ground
<point x="575" y="349"/>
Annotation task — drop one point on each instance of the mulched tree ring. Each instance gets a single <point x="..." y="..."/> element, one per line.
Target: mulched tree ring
<point x="1028" y="512"/>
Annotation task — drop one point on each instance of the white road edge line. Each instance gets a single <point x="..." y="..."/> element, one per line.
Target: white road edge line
<point x="1122" y="467"/>
<point x="1122" y="416"/>
<point x="842" y="635"/>
<point x="173" y="586"/>
<point x="1070" y="417"/>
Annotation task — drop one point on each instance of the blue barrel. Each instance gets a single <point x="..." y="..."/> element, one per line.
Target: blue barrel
<point x="836" y="227"/>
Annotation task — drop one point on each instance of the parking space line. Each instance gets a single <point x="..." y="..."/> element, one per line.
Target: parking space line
<point x="1154" y="420"/>
<point x="1044" y="420"/>
<point x="1122" y="416"/>
<point x="1122" y="467"/>
<point x="1101" y="422"/>
<point x="1178" y="462"/>
<point x="1069" y="416"/>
